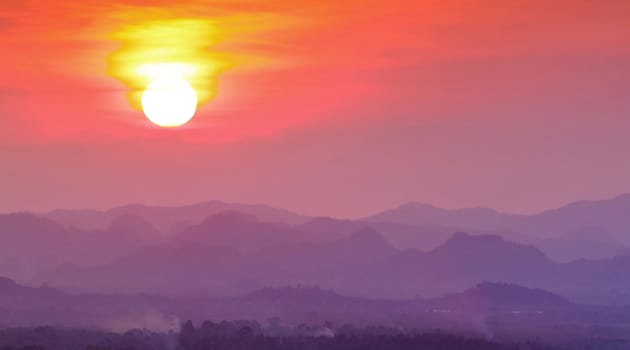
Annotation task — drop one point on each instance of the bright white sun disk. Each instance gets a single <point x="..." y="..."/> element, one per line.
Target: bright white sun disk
<point x="169" y="101"/>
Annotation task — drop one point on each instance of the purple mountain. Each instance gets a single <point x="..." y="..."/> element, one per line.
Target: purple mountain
<point x="508" y="296"/>
<point x="423" y="214"/>
<point x="610" y="214"/>
<point x="166" y="217"/>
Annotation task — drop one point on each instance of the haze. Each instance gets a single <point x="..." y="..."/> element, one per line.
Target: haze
<point x="332" y="110"/>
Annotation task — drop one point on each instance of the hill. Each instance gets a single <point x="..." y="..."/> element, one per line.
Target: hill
<point x="609" y="214"/>
<point x="166" y="218"/>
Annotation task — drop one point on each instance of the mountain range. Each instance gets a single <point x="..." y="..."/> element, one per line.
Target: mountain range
<point x="214" y="249"/>
<point x="28" y="306"/>
<point x="362" y="264"/>
<point x="491" y="310"/>
<point x="609" y="217"/>
<point x="169" y="218"/>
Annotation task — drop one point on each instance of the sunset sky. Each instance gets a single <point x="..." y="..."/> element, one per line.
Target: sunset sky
<point x="335" y="108"/>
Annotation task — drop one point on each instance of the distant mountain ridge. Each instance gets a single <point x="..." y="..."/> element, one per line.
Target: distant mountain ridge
<point x="207" y="257"/>
<point x="166" y="217"/>
<point x="592" y="243"/>
<point x="415" y="213"/>
<point x="29" y="243"/>
<point x="611" y="214"/>
<point x="296" y="305"/>
<point x="233" y="252"/>
<point x="502" y="295"/>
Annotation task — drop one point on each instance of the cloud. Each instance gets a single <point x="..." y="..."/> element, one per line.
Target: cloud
<point x="281" y="65"/>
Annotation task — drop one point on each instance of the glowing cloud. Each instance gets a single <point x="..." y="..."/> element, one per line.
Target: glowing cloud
<point x="168" y="48"/>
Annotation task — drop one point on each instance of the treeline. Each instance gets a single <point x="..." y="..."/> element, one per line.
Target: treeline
<point x="245" y="335"/>
<point x="247" y="340"/>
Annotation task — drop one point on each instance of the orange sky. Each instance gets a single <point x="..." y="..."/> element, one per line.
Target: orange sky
<point x="353" y="70"/>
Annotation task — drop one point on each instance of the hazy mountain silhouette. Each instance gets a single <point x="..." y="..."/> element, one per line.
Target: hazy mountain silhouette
<point x="330" y="229"/>
<point x="23" y="306"/>
<point x="402" y="236"/>
<point x="34" y="306"/>
<point x="230" y="252"/>
<point x="304" y="296"/>
<point x="165" y="217"/>
<point x="233" y="253"/>
<point x="363" y="244"/>
<point x="9" y="287"/>
<point x="586" y="243"/>
<point x="238" y="230"/>
<point x="125" y="234"/>
<point x="412" y="225"/>
<point x="464" y="251"/>
<point x="422" y="214"/>
<point x="30" y="244"/>
<point x="610" y="215"/>
<point x="133" y="225"/>
<point x="484" y="296"/>
<point x="20" y="232"/>
<point x="463" y="260"/>
<point x="167" y="268"/>
<point x="466" y="260"/>
<point x="501" y="296"/>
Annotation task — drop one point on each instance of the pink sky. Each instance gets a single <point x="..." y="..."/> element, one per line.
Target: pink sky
<point x="340" y="108"/>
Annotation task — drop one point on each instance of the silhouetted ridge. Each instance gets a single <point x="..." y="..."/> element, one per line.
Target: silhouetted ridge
<point x="362" y="246"/>
<point x="7" y="285"/>
<point x="164" y="217"/>
<point x="463" y="239"/>
<point x="329" y="225"/>
<point x="130" y="222"/>
<point x="27" y="222"/>
<point x="9" y="288"/>
<point x="421" y="214"/>
<point x="464" y="243"/>
<point x="505" y="295"/>
<point x="294" y="295"/>
<point x="230" y="217"/>
<point x="239" y="230"/>
<point x="510" y="293"/>
<point x="370" y="237"/>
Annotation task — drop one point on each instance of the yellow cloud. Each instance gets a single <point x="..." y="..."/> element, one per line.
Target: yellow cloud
<point x="178" y="47"/>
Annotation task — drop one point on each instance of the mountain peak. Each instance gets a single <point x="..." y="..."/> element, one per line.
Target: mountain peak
<point x="367" y="234"/>
<point x="489" y="248"/>
<point x="466" y="238"/>
<point x="623" y="197"/>
<point x="298" y="294"/>
<point x="516" y="293"/>
<point x="7" y="284"/>
<point x="130" y="221"/>
<point x="230" y="216"/>
<point x="415" y="213"/>
<point x="503" y="295"/>
<point x="27" y="218"/>
<point x="368" y="238"/>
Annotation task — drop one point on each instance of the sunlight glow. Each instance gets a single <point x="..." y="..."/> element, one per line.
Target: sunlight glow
<point x="156" y="53"/>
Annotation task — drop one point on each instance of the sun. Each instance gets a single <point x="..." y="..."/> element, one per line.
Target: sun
<point x="168" y="67"/>
<point x="169" y="101"/>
